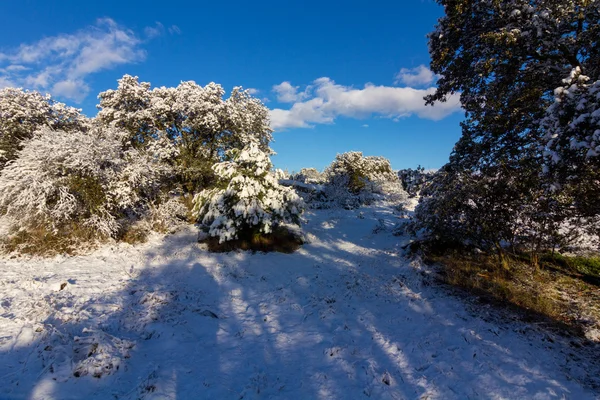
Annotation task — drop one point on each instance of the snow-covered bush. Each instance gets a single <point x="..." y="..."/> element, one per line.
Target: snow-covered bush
<point x="252" y="202"/>
<point x="281" y="174"/>
<point x="494" y="211"/>
<point x="353" y="179"/>
<point x="413" y="180"/>
<point x="131" y="108"/>
<point x="336" y="194"/>
<point x="67" y="181"/>
<point x="310" y="175"/>
<point x="166" y="215"/>
<point x="24" y="112"/>
<point x="466" y="209"/>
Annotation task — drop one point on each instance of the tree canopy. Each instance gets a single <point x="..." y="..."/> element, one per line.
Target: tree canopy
<point x="526" y="72"/>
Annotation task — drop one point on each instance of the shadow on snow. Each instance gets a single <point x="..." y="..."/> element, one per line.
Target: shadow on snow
<point x="344" y="317"/>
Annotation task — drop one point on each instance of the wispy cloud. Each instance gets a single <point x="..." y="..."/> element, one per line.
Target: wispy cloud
<point x="154" y="31"/>
<point x="419" y="76"/>
<point x="60" y="64"/>
<point x="174" y="29"/>
<point x="325" y="101"/>
<point x="5" y="82"/>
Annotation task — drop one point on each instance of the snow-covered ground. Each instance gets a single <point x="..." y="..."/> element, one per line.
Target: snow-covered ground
<point x="346" y="316"/>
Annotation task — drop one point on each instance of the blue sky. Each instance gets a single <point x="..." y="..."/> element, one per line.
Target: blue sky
<point x="338" y="76"/>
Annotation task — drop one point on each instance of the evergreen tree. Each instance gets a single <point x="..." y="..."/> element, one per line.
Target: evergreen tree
<point x="506" y="58"/>
<point x="251" y="200"/>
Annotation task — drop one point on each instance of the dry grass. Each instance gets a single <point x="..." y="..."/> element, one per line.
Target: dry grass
<point x="41" y="241"/>
<point x="563" y="295"/>
<point x="281" y="240"/>
<point x="134" y="234"/>
<point x="188" y="202"/>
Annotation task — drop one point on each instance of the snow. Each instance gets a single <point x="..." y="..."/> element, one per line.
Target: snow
<point x="301" y="186"/>
<point x="347" y="316"/>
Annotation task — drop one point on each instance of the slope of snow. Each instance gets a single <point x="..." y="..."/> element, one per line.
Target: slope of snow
<point x="347" y="316"/>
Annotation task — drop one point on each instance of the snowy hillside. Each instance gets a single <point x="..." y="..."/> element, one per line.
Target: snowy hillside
<point x="347" y="316"/>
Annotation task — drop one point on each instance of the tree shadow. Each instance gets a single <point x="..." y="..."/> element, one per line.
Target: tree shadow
<point x="346" y="316"/>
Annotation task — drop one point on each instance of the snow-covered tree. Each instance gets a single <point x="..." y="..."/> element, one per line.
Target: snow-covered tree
<point x="310" y="175"/>
<point x="94" y="179"/>
<point x="571" y="142"/>
<point x="197" y="119"/>
<point x="130" y="108"/>
<point x="506" y="58"/>
<point x="251" y="202"/>
<point x="24" y="112"/>
<point x="413" y="180"/>
<point x="281" y="174"/>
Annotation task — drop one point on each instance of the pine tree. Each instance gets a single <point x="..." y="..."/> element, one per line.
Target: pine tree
<point x="251" y="200"/>
<point x="506" y="58"/>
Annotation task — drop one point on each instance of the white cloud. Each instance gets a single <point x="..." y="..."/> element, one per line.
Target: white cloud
<point x="4" y="83"/>
<point x="43" y="78"/>
<point x="154" y="31"/>
<point x="301" y="115"/>
<point x="71" y="89"/>
<point x="330" y="100"/>
<point x="60" y="64"/>
<point x="174" y="29"/>
<point x="286" y="93"/>
<point x="418" y="76"/>
<point x="16" y="68"/>
<point x="365" y="125"/>
<point x="253" y="91"/>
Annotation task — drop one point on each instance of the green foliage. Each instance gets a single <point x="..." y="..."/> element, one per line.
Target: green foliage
<point x="589" y="265"/>
<point x="88" y="190"/>
<point x="195" y="172"/>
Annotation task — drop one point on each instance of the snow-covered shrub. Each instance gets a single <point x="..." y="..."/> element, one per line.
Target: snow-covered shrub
<point x="310" y="175"/>
<point x="413" y="180"/>
<point x="130" y="108"/>
<point x="253" y="202"/>
<point x="455" y="210"/>
<point x="353" y="179"/>
<point x="336" y="194"/>
<point x="166" y="215"/>
<point x="493" y="211"/>
<point x="281" y="174"/>
<point x="68" y="181"/>
<point x="24" y="112"/>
